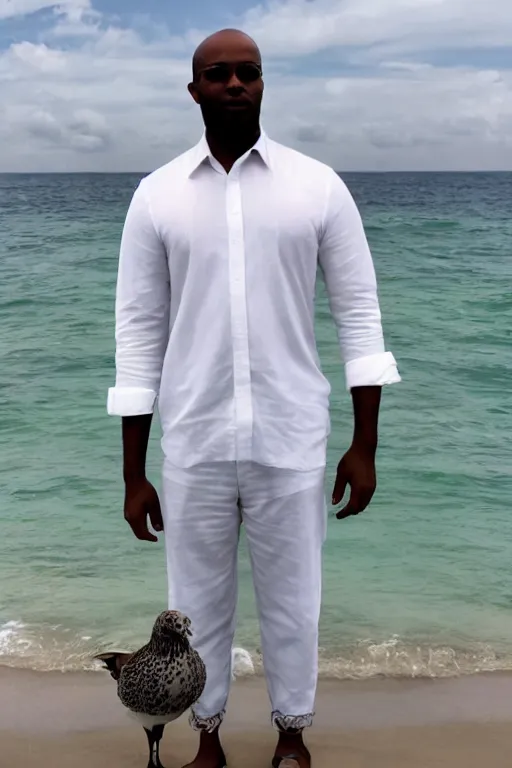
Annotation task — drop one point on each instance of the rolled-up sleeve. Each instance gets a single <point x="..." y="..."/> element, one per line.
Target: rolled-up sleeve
<point x="142" y="312"/>
<point x="347" y="267"/>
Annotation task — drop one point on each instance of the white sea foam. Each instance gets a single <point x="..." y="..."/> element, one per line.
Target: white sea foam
<point x="44" y="647"/>
<point x="242" y="663"/>
<point x="51" y="648"/>
<point x="10" y="637"/>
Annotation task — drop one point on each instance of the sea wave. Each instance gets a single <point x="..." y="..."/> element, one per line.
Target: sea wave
<point x="397" y="658"/>
<point x="46" y="648"/>
<point x="56" y="648"/>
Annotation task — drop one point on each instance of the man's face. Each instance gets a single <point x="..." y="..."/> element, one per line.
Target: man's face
<point x="228" y="85"/>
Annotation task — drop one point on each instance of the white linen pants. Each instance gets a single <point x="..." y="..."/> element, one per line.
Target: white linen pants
<point x="285" y="517"/>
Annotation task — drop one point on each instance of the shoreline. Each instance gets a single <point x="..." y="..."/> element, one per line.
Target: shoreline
<point x="56" y="649"/>
<point x="51" y="719"/>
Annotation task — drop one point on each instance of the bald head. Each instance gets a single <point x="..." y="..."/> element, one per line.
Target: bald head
<point x="225" y="46"/>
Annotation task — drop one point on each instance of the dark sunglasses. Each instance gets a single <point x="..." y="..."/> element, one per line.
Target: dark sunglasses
<point x="222" y="73"/>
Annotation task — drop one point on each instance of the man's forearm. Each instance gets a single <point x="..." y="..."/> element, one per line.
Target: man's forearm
<point x="366" y="403"/>
<point x="136" y="430"/>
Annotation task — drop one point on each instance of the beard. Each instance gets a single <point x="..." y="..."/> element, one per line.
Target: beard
<point x="231" y="124"/>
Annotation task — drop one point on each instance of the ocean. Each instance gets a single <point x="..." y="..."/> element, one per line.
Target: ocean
<point x="420" y="585"/>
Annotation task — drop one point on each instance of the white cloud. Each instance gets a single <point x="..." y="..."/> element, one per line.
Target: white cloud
<point x="12" y="8"/>
<point x="38" y="57"/>
<point x="302" y="27"/>
<point x="431" y="118"/>
<point x="76" y="21"/>
<point x="50" y="130"/>
<point x="117" y="102"/>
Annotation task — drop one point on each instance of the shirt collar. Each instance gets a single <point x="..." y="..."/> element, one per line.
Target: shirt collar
<point x="201" y="152"/>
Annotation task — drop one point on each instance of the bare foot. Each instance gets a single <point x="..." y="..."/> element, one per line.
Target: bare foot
<point x="210" y="753"/>
<point x="292" y="744"/>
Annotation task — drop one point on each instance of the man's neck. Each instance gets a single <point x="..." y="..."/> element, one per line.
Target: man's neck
<point x="227" y="149"/>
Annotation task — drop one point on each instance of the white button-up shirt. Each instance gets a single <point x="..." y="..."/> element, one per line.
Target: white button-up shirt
<point x="215" y="306"/>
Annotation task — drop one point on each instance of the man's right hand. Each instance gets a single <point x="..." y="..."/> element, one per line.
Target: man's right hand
<point x="140" y="503"/>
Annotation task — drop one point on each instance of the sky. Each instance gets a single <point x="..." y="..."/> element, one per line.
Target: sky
<point x="101" y="85"/>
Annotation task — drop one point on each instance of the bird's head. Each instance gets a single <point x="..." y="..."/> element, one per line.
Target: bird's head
<point x="171" y="624"/>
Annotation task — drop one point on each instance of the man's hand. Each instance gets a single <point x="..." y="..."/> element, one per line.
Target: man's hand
<point x="356" y="469"/>
<point x="140" y="503"/>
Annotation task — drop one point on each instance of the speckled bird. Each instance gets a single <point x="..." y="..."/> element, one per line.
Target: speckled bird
<point x="162" y="680"/>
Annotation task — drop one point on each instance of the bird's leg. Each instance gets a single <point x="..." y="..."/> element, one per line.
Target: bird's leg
<point x="154" y="738"/>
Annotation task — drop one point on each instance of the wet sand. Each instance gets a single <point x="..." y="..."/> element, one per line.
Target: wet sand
<point x="55" y="720"/>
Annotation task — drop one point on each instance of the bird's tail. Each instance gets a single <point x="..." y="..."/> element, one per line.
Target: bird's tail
<point x="114" y="661"/>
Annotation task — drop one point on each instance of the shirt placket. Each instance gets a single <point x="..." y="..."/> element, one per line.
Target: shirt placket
<point x="239" y="325"/>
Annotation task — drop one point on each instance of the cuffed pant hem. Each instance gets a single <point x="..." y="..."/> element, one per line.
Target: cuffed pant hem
<point x="291" y="723"/>
<point x="208" y="724"/>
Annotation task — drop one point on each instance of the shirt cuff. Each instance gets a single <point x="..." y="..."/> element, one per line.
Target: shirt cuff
<point x="130" y="401"/>
<point x="372" y="371"/>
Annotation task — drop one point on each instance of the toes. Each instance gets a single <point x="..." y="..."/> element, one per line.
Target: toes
<point x="291" y="761"/>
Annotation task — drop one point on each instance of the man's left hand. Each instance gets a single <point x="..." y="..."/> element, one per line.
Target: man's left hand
<point x="356" y="469"/>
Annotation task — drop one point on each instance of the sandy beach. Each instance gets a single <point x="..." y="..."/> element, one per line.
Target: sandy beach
<point x="55" y="720"/>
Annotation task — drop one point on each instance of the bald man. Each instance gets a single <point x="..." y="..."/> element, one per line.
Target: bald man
<point x="215" y="318"/>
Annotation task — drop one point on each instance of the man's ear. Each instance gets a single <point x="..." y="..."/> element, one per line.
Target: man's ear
<point x="192" y="89"/>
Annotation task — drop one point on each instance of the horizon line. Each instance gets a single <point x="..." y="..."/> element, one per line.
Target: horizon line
<point x="132" y="173"/>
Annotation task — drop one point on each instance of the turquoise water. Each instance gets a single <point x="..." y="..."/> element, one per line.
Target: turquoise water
<point x="419" y="585"/>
